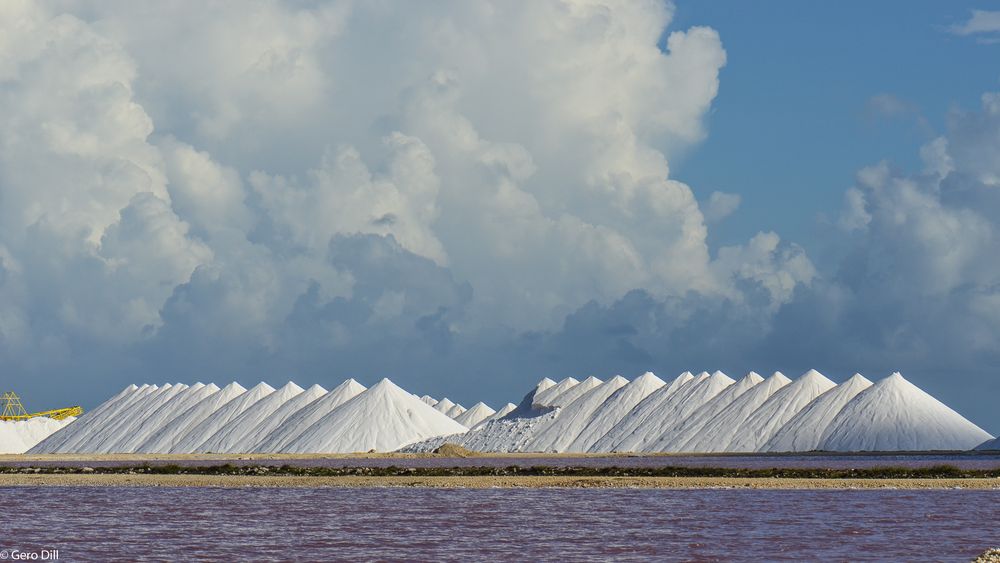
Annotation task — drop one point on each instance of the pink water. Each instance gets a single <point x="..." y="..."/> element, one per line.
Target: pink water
<point x="149" y="524"/>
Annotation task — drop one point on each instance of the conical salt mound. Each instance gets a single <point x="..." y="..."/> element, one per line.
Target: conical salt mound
<point x="777" y="410"/>
<point x="91" y="428"/>
<point x="507" y="409"/>
<point x="164" y="439"/>
<point x="226" y="438"/>
<point x="675" y="410"/>
<point x="383" y="418"/>
<point x="681" y="432"/>
<point x="478" y="413"/>
<point x="189" y="443"/>
<point x="803" y="432"/>
<point x="60" y="441"/>
<point x="544" y="398"/>
<point x="455" y="411"/>
<point x="557" y="436"/>
<point x="18" y="436"/>
<point x="575" y="392"/>
<point x="716" y="435"/>
<point x="161" y="416"/>
<point x="896" y="415"/>
<point x="613" y="410"/>
<point x="127" y="419"/>
<point x="646" y="408"/>
<point x="303" y="419"/>
<point x="444" y="405"/>
<point x="255" y="435"/>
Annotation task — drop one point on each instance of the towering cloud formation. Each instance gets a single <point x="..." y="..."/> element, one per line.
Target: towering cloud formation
<point x="459" y="195"/>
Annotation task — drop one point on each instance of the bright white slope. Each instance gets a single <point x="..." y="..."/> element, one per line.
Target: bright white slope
<point x="544" y="398"/>
<point x="123" y="424"/>
<point x="613" y="410"/>
<point x="675" y="410"/>
<point x="56" y="441"/>
<point x="502" y="435"/>
<point x="896" y="415"/>
<point x="478" y="413"/>
<point x="455" y="411"/>
<point x="383" y="418"/>
<point x="188" y="444"/>
<point x="651" y="404"/>
<point x="681" y="432"/>
<point x="226" y="438"/>
<point x="572" y="418"/>
<point x="165" y="413"/>
<point x="716" y="435"/>
<point x="303" y="419"/>
<point x="17" y="437"/>
<point x="444" y="405"/>
<point x="254" y="436"/>
<point x="164" y="439"/>
<point x="134" y="422"/>
<point x="803" y="432"/>
<point x="779" y="408"/>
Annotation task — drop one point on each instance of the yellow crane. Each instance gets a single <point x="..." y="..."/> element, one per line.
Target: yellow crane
<point x="14" y="410"/>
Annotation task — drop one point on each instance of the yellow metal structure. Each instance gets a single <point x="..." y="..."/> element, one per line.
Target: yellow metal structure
<point x="14" y="410"/>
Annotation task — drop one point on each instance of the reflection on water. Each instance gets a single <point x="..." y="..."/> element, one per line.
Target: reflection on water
<point x="145" y="524"/>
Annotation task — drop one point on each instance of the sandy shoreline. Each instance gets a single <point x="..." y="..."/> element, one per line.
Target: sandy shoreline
<point x="482" y="482"/>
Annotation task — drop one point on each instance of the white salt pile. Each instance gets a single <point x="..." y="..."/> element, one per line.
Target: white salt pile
<point x="803" y="432"/>
<point x="478" y="413"/>
<point x="681" y="432"/>
<point x="298" y="422"/>
<point x="778" y="410"/>
<point x="719" y="432"/>
<point x="704" y="413"/>
<point x="17" y="437"/>
<point x="896" y="415"/>
<point x="383" y="418"/>
<point x="614" y="409"/>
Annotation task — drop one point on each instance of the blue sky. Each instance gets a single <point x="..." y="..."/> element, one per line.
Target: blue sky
<point x="468" y="196"/>
<point x="792" y="123"/>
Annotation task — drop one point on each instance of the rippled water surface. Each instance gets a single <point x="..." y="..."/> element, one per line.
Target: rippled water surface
<point x="145" y="524"/>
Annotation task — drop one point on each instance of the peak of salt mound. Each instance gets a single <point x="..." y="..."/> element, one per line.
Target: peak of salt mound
<point x="567" y="425"/>
<point x="383" y="418"/>
<point x="232" y="433"/>
<point x="190" y="442"/>
<point x="503" y="412"/>
<point x="58" y="440"/>
<point x="444" y="405"/>
<point x="777" y="410"/>
<point x="675" y="409"/>
<point x="128" y="441"/>
<point x="803" y="431"/>
<point x="255" y="435"/>
<point x="685" y="429"/>
<point x="896" y="415"/>
<point x="614" y="409"/>
<point x="455" y="411"/>
<point x="478" y="413"/>
<point x="634" y="420"/>
<point x="429" y="400"/>
<point x="575" y="392"/>
<point x="716" y="435"/>
<point x="544" y="398"/>
<point x="544" y="384"/>
<point x="164" y="439"/>
<point x="298" y="422"/>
